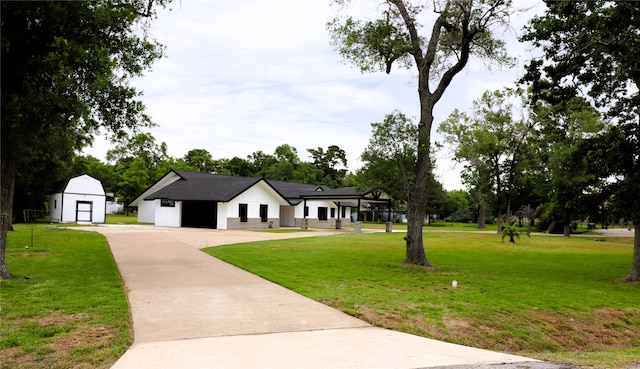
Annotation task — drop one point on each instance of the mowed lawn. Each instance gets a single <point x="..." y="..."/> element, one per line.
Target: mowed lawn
<point x="66" y="306"/>
<point x="546" y="297"/>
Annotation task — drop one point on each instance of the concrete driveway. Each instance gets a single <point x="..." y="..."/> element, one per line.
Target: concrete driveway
<point x="191" y="310"/>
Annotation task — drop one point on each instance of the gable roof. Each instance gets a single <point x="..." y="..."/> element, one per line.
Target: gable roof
<point x="195" y="186"/>
<point x="292" y="192"/>
<point x="61" y="186"/>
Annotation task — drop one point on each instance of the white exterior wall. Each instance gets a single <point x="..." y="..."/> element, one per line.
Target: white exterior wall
<point x="55" y="208"/>
<point x="222" y="215"/>
<point x="261" y="193"/>
<point x="313" y="206"/>
<point x="69" y="204"/>
<point x="168" y="216"/>
<point x="147" y="211"/>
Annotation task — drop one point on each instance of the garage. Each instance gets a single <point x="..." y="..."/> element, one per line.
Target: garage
<point x="199" y="214"/>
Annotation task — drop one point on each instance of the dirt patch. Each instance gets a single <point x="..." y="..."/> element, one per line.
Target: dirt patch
<point x="77" y="347"/>
<point x="603" y="330"/>
<point x="533" y="332"/>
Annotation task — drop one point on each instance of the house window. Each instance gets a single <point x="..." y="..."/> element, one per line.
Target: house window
<point x="306" y="211"/>
<point x="322" y="213"/>
<point x="264" y="212"/>
<point x="167" y="203"/>
<point x="242" y="211"/>
<point x="344" y="212"/>
<point x="333" y="212"/>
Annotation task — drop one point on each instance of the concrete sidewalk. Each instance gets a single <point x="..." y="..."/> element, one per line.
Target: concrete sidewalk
<point x="191" y="310"/>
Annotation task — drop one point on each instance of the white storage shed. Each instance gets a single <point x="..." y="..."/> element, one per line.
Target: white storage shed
<point x="79" y="199"/>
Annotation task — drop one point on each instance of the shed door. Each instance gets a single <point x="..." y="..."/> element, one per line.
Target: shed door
<point x="84" y="211"/>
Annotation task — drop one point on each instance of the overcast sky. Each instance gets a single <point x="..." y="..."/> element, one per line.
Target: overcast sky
<point x="248" y="75"/>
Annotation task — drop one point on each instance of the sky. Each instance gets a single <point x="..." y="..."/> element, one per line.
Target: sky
<point x="246" y="75"/>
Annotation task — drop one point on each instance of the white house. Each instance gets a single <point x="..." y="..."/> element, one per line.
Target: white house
<point x="192" y="199"/>
<point x="79" y="199"/>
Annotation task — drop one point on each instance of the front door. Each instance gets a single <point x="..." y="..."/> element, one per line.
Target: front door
<point x="84" y="211"/>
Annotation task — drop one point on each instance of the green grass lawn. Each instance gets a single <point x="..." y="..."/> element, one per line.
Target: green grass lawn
<point x="546" y="297"/>
<point x="434" y="226"/>
<point x="121" y="219"/>
<point x="66" y="305"/>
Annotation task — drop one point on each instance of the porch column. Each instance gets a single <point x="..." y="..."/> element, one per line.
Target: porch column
<point x="357" y="227"/>
<point x="388" y="227"/>
<point x="305" y="221"/>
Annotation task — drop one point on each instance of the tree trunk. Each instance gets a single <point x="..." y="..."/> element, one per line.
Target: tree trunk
<point x="566" y="231"/>
<point x="482" y="215"/>
<point x="634" y="275"/>
<point x="415" y="216"/>
<point x="417" y="201"/>
<point x="7" y="185"/>
<point x="551" y="226"/>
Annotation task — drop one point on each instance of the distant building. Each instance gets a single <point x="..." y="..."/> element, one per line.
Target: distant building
<point x="113" y="205"/>
<point x="79" y="199"/>
<point x="192" y="199"/>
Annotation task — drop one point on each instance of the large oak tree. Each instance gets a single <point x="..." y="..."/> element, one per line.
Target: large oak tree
<point x="66" y="73"/>
<point x="592" y="49"/>
<point x="459" y="30"/>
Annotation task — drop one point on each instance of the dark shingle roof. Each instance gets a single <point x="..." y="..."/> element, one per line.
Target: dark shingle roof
<point x="292" y="191"/>
<point x="204" y="187"/>
<point x="196" y="186"/>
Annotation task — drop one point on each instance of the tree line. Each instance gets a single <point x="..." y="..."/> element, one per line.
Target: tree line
<point x="135" y="164"/>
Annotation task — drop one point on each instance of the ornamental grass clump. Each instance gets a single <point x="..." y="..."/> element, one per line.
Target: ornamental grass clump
<point x="511" y="231"/>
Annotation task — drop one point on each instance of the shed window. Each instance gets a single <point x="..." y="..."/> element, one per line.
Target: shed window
<point x="55" y="204"/>
<point x="264" y="212"/>
<point x="167" y="203"/>
<point x="242" y="211"/>
<point x="322" y="213"/>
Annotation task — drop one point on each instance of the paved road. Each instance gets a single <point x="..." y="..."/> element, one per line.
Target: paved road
<point x="191" y="310"/>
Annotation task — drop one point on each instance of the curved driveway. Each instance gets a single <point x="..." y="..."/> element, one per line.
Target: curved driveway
<point x="191" y="310"/>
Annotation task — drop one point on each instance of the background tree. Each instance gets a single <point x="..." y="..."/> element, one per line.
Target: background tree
<point x="200" y="160"/>
<point x="282" y="165"/>
<point x="332" y="164"/>
<point x="240" y="167"/>
<point x="143" y="146"/>
<point x="492" y="142"/>
<point x="134" y="178"/>
<point x="593" y="48"/>
<point x="458" y="206"/>
<point x="461" y="29"/>
<point x="559" y="132"/>
<point x="66" y="68"/>
<point x="389" y="159"/>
